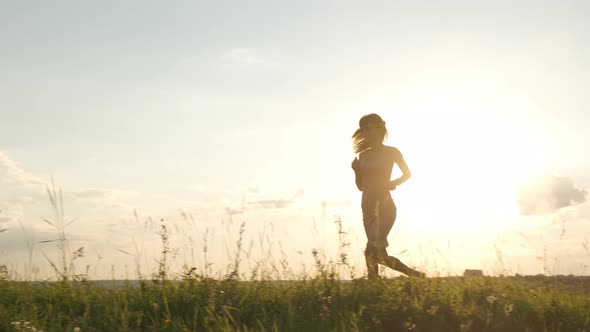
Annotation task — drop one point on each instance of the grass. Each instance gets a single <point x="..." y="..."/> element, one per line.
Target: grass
<point x="192" y="301"/>
<point x="319" y="304"/>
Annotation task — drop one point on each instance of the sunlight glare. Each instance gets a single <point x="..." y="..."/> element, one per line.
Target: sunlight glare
<point x="467" y="160"/>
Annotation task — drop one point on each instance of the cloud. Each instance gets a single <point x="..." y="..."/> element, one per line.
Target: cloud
<point x="10" y="213"/>
<point x="271" y="203"/>
<point x="549" y="194"/>
<point x="23" y="198"/>
<point x="102" y="194"/>
<point x="15" y="239"/>
<point x="266" y="204"/>
<point x="19" y="191"/>
<point x="253" y="198"/>
<point x="11" y="173"/>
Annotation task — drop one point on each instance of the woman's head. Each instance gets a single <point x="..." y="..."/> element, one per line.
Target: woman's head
<point x="371" y="132"/>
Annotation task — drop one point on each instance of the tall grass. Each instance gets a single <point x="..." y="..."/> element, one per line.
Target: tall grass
<point x="65" y="269"/>
<point x="318" y="300"/>
<point x="317" y="304"/>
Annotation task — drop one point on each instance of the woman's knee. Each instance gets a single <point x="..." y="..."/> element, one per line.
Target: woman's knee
<point x="392" y="261"/>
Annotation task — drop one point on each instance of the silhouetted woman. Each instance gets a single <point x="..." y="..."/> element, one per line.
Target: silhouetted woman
<point x="373" y="177"/>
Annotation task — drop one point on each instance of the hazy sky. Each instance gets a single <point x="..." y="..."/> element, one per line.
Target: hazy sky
<point x="235" y="111"/>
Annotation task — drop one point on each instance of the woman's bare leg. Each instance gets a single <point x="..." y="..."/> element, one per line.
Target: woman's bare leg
<point x="396" y="264"/>
<point x="372" y="261"/>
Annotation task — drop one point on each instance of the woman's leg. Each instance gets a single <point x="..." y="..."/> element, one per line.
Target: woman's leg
<point x="387" y="215"/>
<point x="395" y="264"/>
<point x="370" y="207"/>
<point x="372" y="261"/>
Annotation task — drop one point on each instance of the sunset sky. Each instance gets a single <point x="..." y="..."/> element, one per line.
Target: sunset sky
<point x="232" y="112"/>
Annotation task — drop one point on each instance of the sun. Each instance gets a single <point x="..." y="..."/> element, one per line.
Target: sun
<point x="467" y="164"/>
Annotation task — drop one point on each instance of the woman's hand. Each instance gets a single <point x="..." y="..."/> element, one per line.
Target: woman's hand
<point x="356" y="165"/>
<point x="393" y="184"/>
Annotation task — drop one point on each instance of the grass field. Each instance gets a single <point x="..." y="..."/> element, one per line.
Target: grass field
<point x="192" y="301"/>
<point x="320" y="304"/>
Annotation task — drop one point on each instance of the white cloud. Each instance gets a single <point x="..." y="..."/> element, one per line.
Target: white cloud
<point x="24" y="201"/>
<point x="20" y="190"/>
<point x="11" y="173"/>
<point x="103" y="194"/>
<point x="10" y="214"/>
<point x="549" y="194"/>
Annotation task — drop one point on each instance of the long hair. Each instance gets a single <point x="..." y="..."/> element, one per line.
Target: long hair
<point x="359" y="141"/>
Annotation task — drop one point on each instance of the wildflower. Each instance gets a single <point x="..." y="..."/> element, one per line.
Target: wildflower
<point x="325" y="311"/>
<point x="433" y="310"/>
<point x="410" y="326"/>
<point x="508" y="308"/>
<point x="491" y="299"/>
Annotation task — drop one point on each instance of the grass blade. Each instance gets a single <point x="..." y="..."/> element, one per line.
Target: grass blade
<point x="53" y="266"/>
<point x="47" y="221"/>
<point x="125" y="252"/>
<point x="47" y="241"/>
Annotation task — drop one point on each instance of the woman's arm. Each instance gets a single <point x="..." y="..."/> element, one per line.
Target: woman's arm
<point x="357" y="173"/>
<point x="406" y="173"/>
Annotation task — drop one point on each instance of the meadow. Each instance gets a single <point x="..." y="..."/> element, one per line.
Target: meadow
<point x="329" y="298"/>
<point x="324" y="303"/>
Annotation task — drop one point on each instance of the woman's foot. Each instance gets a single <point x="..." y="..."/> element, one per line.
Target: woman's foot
<point x="416" y="274"/>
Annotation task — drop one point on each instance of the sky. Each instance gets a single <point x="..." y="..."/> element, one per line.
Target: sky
<point x="206" y="116"/>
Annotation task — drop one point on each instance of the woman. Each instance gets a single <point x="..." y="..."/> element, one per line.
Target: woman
<point x="373" y="177"/>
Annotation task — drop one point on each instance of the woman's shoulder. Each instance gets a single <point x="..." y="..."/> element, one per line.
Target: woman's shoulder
<point x="389" y="151"/>
<point x="393" y="152"/>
